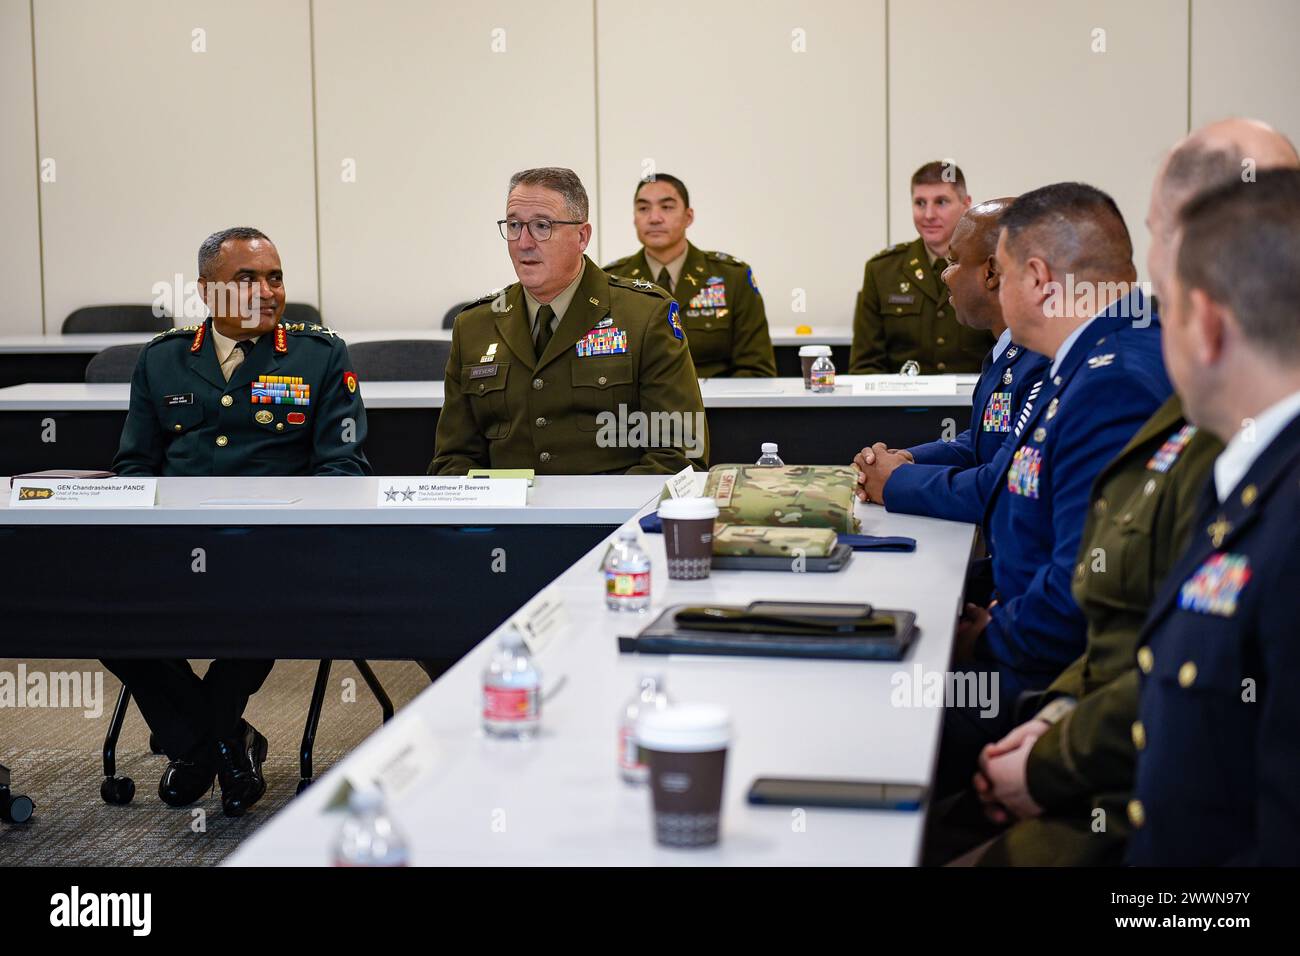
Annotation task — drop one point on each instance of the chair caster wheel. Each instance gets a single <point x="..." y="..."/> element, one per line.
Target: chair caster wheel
<point x="117" y="790"/>
<point x="303" y="784"/>
<point x="154" y="746"/>
<point x="16" y="808"/>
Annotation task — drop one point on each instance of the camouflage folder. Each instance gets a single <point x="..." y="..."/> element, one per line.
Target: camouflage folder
<point x="793" y="496"/>
<point x="735" y="540"/>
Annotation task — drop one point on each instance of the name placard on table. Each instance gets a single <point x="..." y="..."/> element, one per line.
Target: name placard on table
<point x="425" y="492"/>
<point x="83" y="493"/>
<point x="900" y="385"/>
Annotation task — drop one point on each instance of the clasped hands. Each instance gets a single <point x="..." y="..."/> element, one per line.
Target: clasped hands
<point x="875" y="465"/>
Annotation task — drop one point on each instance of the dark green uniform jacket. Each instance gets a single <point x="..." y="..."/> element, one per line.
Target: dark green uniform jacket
<point x="721" y="310"/>
<point x="903" y="314"/>
<point x="186" y="419"/>
<point x="614" y="391"/>
<point x="1142" y="508"/>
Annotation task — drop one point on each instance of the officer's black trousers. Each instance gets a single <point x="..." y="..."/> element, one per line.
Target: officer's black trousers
<point x="185" y="711"/>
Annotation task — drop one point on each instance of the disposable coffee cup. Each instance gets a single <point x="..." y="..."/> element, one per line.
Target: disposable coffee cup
<point x="685" y="751"/>
<point x="688" y="536"/>
<point x="809" y="354"/>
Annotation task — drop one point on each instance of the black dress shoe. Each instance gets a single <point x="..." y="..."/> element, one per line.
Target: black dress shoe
<point x="239" y="770"/>
<point x="185" y="781"/>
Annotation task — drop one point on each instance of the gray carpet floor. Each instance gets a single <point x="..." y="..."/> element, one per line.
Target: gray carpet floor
<point x="55" y="756"/>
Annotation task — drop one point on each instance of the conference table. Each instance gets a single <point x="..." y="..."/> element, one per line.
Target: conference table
<point x="63" y="358"/>
<point x="289" y="568"/>
<point x="462" y="798"/>
<point x="47" y="425"/>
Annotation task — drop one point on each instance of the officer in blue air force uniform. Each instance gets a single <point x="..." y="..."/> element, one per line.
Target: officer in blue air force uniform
<point x="1218" y="728"/>
<point x="237" y="395"/>
<point x="1065" y="261"/>
<point x="953" y="479"/>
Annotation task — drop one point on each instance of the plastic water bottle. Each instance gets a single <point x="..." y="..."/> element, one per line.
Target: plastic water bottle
<point x="512" y="690"/>
<point x="822" y="375"/>
<point x="649" y="696"/>
<point x="368" y="837"/>
<point x="627" y="574"/>
<point x="769" y="457"/>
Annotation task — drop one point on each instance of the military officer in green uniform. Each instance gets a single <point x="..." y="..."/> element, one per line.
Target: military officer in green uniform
<point x="721" y="308"/>
<point x="240" y="394"/>
<point x="903" y="313"/>
<point x="1067" y="773"/>
<point x="569" y="370"/>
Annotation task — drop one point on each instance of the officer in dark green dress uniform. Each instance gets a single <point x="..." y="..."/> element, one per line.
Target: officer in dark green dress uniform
<point x="721" y="308"/>
<point x="241" y="394"/>
<point x="902" y="312"/>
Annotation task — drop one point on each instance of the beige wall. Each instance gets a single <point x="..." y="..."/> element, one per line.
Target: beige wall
<point x="1032" y="103"/>
<point x="1244" y="61"/>
<point x="157" y="146"/>
<point x="20" y="248"/>
<point x="782" y="150"/>
<point x="436" y="123"/>
<point x="797" y="161"/>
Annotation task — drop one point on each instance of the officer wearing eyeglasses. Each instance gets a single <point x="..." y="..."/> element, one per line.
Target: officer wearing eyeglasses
<point x="570" y="370"/>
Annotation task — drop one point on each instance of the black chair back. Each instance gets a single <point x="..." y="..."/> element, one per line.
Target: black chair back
<point x="301" y="312"/>
<point x="400" y="360"/>
<point x="101" y="319"/>
<point x="449" y="319"/>
<point x="114" y="364"/>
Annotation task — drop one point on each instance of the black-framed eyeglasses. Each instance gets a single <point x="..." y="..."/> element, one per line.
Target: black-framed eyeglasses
<point x="512" y="229"/>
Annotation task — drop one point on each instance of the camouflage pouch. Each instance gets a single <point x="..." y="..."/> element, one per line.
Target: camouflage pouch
<point x="792" y="496"/>
<point x="733" y="540"/>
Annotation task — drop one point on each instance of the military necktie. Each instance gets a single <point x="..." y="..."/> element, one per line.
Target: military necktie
<point x="242" y="349"/>
<point x="544" y="316"/>
<point x="665" y="280"/>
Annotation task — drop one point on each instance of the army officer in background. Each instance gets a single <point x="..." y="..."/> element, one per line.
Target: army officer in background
<point x="722" y="310"/>
<point x="903" y="313"/>
<point x="241" y="394"/>
<point x="570" y="370"/>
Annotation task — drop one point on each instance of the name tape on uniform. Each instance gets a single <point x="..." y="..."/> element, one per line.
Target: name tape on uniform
<point x="422" y="492"/>
<point x="96" y="493"/>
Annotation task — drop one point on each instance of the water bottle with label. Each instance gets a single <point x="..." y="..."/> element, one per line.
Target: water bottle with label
<point x="822" y="374"/>
<point x="512" y="690"/>
<point x="649" y="696"/>
<point x="770" y="458"/>
<point x="627" y="574"/>
<point x="368" y="836"/>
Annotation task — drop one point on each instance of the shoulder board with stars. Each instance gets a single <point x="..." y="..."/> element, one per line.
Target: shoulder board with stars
<point x="175" y="331"/>
<point x="640" y="285"/>
<point x="724" y="257"/>
<point x="889" y="251"/>
<point x="298" y="327"/>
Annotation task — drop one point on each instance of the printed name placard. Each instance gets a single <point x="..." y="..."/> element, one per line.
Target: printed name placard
<point x="682" y="484"/>
<point x="542" y="618"/>
<point x="74" y="493"/>
<point x="898" y="385"/>
<point x="424" y="492"/>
